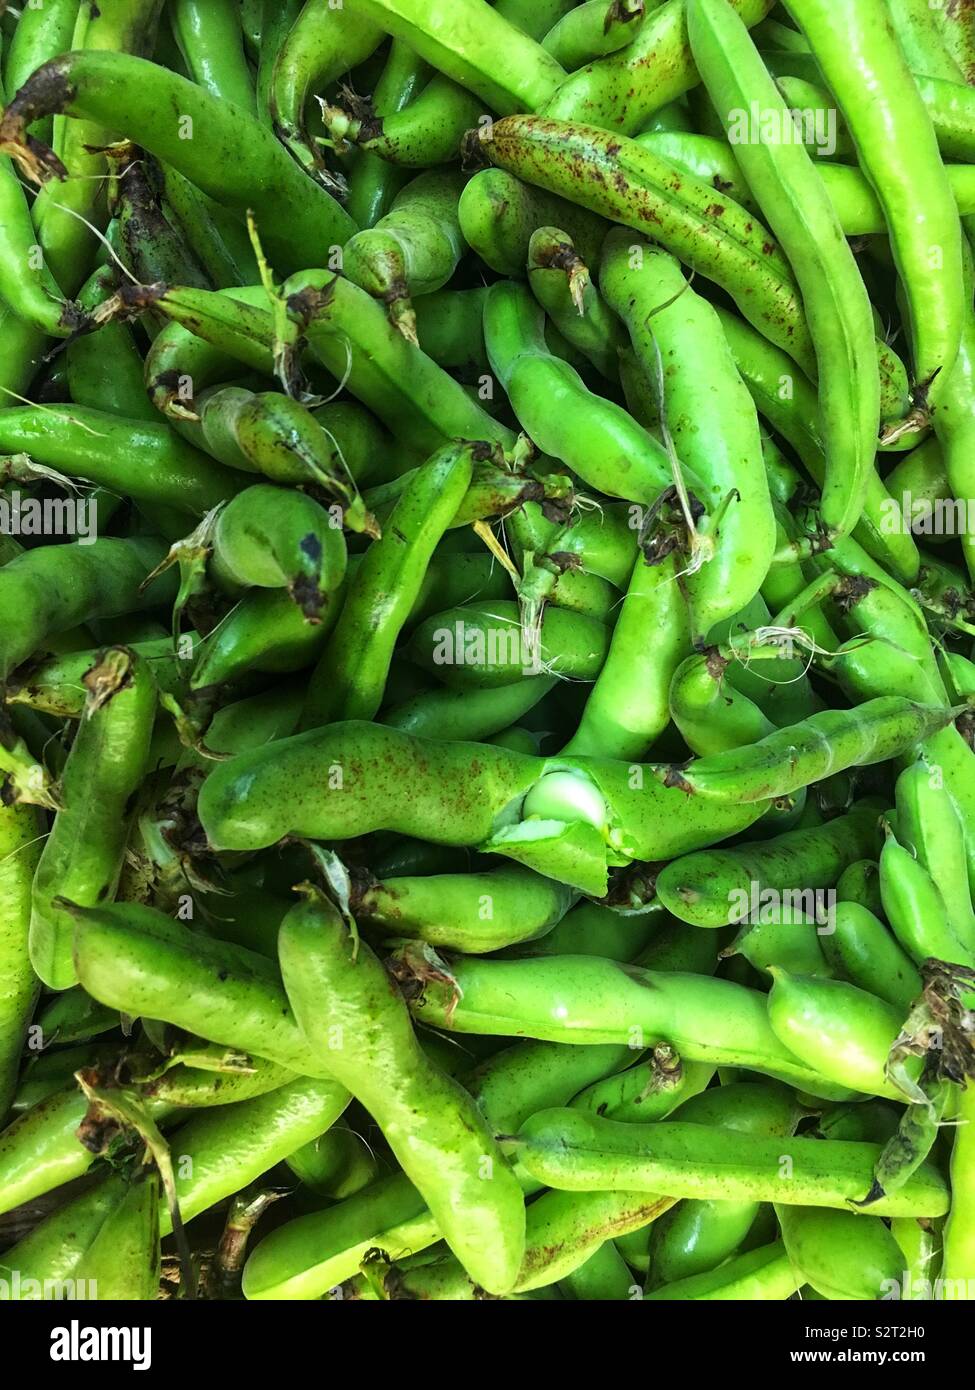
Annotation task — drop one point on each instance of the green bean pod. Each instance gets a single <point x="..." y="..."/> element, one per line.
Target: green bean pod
<point x="577" y="1152"/>
<point x="428" y="131"/>
<point x="351" y="676"/>
<point x="560" y="281"/>
<point x="650" y="1090"/>
<point x="64" y="214"/>
<point x="82" y="857"/>
<point x="123" y="1260"/>
<point x="52" y="1250"/>
<point x="23" y="348"/>
<point x="194" y="1088"/>
<point x="135" y="458"/>
<point x="586" y="1000"/>
<point x="474" y="913"/>
<point x="55" y="588"/>
<point x="592" y="930"/>
<point x="710" y="416"/>
<point x="697" y="1236"/>
<point x="467" y="714"/>
<point x="594" y="30"/>
<point x="218" y="1152"/>
<point x="678" y="947"/>
<point x="461" y="46"/>
<point x="206" y="334"/>
<point x="705" y="156"/>
<point x="267" y="632"/>
<point x="621" y="91"/>
<point x="921" y="481"/>
<point x="787" y="400"/>
<point x="915" y="908"/>
<point x="629" y="705"/>
<point x="603" y="540"/>
<point x="332" y="447"/>
<point x="605" y="1275"/>
<point x="843" y="1255"/>
<point x="842" y="1031"/>
<point x="955" y="417"/>
<point x="20" y="848"/>
<point x="860" y="883"/>
<point x="862" y="948"/>
<point x="763" y="1275"/>
<point x="535" y="18"/>
<point x="28" y="287"/>
<point x="843" y="39"/>
<point x="622" y="180"/>
<point x="323" y="43"/>
<point x="921" y="1247"/>
<point x="151" y="247"/>
<point x="337" y="1164"/>
<point x="267" y="33"/>
<point x="739" y="1106"/>
<point x="851" y="195"/>
<point x="518" y="1080"/>
<point x="40" y="1149"/>
<point x="143" y="963"/>
<point x="449" y="326"/>
<point x="716" y="886"/>
<point x="929" y="826"/>
<point x="95" y="86"/>
<point x="374" y="181"/>
<point x="826" y="743"/>
<point x="42" y="32"/>
<point x="413" y="250"/>
<point x="710" y="713"/>
<point x="959" y="1251"/>
<point x="950" y="106"/>
<point x="432" y="1126"/>
<point x="565" y="1229"/>
<point x="105" y="368"/>
<point x="782" y="936"/>
<point x="487" y="645"/>
<point x="275" y="538"/>
<point x="500" y="213"/>
<point x="210" y="39"/>
<point x="218" y="240"/>
<point x="403" y="387"/>
<point x="312" y="1254"/>
<point x="791" y="195"/>
<point x="593" y="436"/>
<point x="73" y="1016"/>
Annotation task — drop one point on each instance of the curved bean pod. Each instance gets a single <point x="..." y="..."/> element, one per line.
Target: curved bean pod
<point x="82" y="856"/>
<point x="95" y="86"/>
<point x="713" y="887"/>
<point x="847" y="41"/>
<point x="323" y="43"/>
<point x="576" y="1152"/>
<point x="586" y="1000"/>
<point x="616" y="177"/>
<point x="458" y="40"/>
<point x="20" y="849"/>
<point x="432" y="1126"/>
<point x="413" y="250"/>
<point x="622" y="91"/>
<point x="351" y="677"/>
<point x="791" y="195"/>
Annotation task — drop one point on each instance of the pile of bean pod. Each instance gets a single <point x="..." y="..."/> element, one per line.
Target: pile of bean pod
<point x="487" y="534"/>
